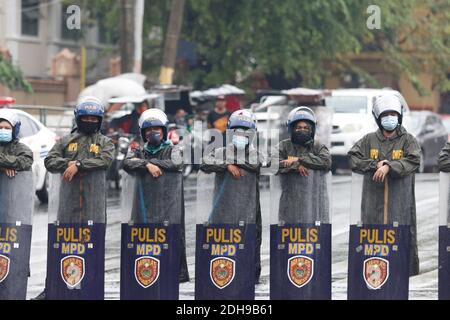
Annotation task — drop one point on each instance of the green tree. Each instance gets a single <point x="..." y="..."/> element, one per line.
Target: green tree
<point x="12" y="77"/>
<point x="295" y="39"/>
<point x="298" y="40"/>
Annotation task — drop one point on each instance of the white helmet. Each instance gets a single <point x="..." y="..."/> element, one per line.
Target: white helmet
<point x="388" y="102"/>
<point x="153" y="118"/>
<point x="13" y="119"/>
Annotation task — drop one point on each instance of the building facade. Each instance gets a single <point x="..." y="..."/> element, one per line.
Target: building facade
<point x="35" y="32"/>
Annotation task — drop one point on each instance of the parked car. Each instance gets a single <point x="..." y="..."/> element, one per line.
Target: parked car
<point x="353" y="119"/>
<point x="446" y="121"/>
<point x="40" y="140"/>
<point x="6" y="101"/>
<point x="431" y="134"/>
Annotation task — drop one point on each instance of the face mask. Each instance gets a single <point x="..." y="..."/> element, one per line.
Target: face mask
<point x="153" y="139"/>
<point x="5" y="135"/>
<point x="88" y="127"/>
<point x="301" y="137"/>
<point x="389" y="123"/>
<point x="240" y="142"/>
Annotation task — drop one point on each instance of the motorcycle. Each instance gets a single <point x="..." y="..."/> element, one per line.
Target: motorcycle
<point x="121" y="142"/>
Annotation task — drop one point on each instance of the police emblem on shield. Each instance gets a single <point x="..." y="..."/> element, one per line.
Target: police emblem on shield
<point x="222" y="271"/>
<point x="300" y="270"/>
<point x="146" y="271"/>
<point x="4" y="267"/>
<point x="376" y="272"/>
<point x="72" y="270"/>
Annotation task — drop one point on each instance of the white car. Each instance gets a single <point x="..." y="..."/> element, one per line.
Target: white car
<point x="40" y="140"/>
<point x="353" y="119"/>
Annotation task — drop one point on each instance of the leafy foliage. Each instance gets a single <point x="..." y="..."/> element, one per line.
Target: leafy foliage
<point x="298" y="40"/>
<point x="12" y="77"/>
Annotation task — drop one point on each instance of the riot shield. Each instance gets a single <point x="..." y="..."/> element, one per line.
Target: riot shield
<point x="380" y="237"/>
<point x="300" y="236"/>
<point x="76" y="237"/>
<point x="16" y="209"/>
<point x="225" y="236"/>
<point x="444" y="237"/>
<point x="151" y="236"/>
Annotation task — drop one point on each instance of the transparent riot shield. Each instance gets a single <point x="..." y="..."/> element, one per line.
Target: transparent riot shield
<point x="225" y="259"/>
<point x="151" y="236"/>
<point x="16" y="209"/>
<point x="380" y="237"/>
<point x="444" y="236"/>
<point x="300" y="236"/>
<point x="277" y="117"/>
<point x="76" y="237"/>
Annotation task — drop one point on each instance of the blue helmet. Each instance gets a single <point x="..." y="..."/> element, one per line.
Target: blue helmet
<point x="242" y="119"/>
<point x="153" y="118"/>
<point x="13" y="119"/>
<point x="89" y="106"/>
<point x="302" y="114"/>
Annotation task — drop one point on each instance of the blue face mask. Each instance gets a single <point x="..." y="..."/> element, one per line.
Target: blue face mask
<point x="5" y="135"/>
<point x="240" y="142"/>
<point x="389" y="123"/>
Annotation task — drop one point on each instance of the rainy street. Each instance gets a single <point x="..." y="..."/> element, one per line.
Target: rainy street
<point x="423" y="286"/>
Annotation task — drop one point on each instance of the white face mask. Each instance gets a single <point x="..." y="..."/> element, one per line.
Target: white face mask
<point x="240" y="142"/>
<point x="389" y="123"/>
<point x="5" y="135"/>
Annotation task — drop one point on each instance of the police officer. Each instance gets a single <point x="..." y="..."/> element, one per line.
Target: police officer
<point x="301" y="152"/>
<point x="85" y="149"/>
<point x="242" y="125"/>
<point x="444" y="158"/>
<point x="392" y="151"/>
<point x="157" y="155"/>
<point x="14" y="155"/>
<point x="93" y="150"/>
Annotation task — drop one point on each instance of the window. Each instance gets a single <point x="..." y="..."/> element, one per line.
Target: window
<point x="347" y="104"/>
<point x="27" y="127"/>
<point x="30" y="17"/>
<point x="431" y="120"/>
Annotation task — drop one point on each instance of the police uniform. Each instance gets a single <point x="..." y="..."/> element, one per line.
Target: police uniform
<point x="403" y="154"/>
<point x="314" y="156"/>
<point x="15" y="155"/>
<point x="92" y="152"/>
